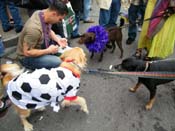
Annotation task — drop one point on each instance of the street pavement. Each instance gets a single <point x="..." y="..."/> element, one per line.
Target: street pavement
<point x="112" y="107"/>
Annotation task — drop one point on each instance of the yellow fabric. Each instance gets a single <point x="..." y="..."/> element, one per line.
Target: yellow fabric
<point x="162" y="44"/>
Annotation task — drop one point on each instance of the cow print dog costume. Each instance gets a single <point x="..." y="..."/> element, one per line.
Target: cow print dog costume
<point x="42" y="87"/>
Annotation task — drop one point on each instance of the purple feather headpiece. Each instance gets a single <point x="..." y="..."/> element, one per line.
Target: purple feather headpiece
<point x="101" y="39"/>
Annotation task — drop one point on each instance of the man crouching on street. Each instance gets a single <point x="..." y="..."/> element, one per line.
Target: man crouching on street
<point x="37" y="43"/>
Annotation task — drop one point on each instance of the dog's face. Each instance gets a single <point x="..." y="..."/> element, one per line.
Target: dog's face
<point x="130" y="64"/>
<point x="75" y="54"/>
<point x="9" y="71"/>
<point x="87" y="38"/>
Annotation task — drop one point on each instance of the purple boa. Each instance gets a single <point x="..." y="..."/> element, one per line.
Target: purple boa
<point x="101" y="39"/>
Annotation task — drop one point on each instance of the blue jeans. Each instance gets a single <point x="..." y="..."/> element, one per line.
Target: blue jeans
<point x="108" y="18"/>
<point x="133" y="11"/>
<point x="14" y="12"/>
<point x="1" y="48"/>
<point x="86" y="9"/>
<point x="45" y="61"/>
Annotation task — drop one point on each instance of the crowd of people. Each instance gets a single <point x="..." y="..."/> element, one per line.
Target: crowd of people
<point x="38" y="43"/>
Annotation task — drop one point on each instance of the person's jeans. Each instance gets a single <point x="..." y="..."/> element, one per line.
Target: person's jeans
<point x="14" y="12"/>
<point x="86" y="9"/>
<point x="45" y="61"/>
<point x="133" y="15"/>
<point x="108" y="18"/>
<point x="1" y="48"/>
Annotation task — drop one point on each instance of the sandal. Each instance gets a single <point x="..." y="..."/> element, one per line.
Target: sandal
<point x="7" y="104"/>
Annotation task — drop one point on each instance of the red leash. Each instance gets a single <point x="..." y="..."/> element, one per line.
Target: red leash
<point x="155" y="75"/>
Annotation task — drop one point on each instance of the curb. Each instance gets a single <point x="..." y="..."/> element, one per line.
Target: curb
<point x="10" y="42"/>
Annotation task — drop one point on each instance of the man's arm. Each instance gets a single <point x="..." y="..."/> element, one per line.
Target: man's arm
<point x="39" y="52"/>
<point x="31" y="39"/>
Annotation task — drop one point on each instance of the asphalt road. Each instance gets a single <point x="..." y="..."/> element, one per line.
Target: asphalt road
<point x="112" y="107"/>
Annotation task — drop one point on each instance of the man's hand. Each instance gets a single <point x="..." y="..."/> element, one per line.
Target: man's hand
<point x="62" y="42"/>
<point x="52" y="49"/>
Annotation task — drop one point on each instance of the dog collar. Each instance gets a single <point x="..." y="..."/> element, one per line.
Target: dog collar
<point x="72" y="62"/>
<point x="147" y="65"/>
<point x="75" y="74"/>
<point x="70" y="98"/>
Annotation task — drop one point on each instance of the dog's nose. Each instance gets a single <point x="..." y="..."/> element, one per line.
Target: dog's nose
<point x="80" y="41"/>
<point x="115" y="67"/>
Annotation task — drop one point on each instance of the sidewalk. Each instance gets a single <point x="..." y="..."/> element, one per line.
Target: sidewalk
<point x="10" y="38"/>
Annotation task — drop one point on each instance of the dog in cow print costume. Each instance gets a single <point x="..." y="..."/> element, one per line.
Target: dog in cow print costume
<point x="33" y="90"/>
<point x="42" y="87"/>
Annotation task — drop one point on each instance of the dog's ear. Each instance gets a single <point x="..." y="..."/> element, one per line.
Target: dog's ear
<point x="81" y="40"/>
<point x="80" y="57"/>
<point x="76" y="54"/>
<point x="68" y="59"/>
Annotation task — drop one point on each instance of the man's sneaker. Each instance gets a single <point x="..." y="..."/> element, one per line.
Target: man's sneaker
<point x="129" y="41"/>
<point x="8" y="29"/>
<point x="139" y="29"/>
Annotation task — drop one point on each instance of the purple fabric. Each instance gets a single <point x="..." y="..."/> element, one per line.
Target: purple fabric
<point x="46" y="29"/>
<point x="101" y="39"/>
<point x="159" y="9"/>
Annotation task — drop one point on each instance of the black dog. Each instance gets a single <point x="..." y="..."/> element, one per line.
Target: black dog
<point x="135" y="64"/>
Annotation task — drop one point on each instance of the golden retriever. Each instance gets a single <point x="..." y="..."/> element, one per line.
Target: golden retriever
<point x="74" y="60"/>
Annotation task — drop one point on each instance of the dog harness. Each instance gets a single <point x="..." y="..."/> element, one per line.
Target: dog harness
<point x="42" y="87"/>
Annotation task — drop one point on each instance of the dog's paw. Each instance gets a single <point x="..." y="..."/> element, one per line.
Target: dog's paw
<point x="28" y="127"/>
<point x="85" y="110"/>
<point x="148" y="107"/>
